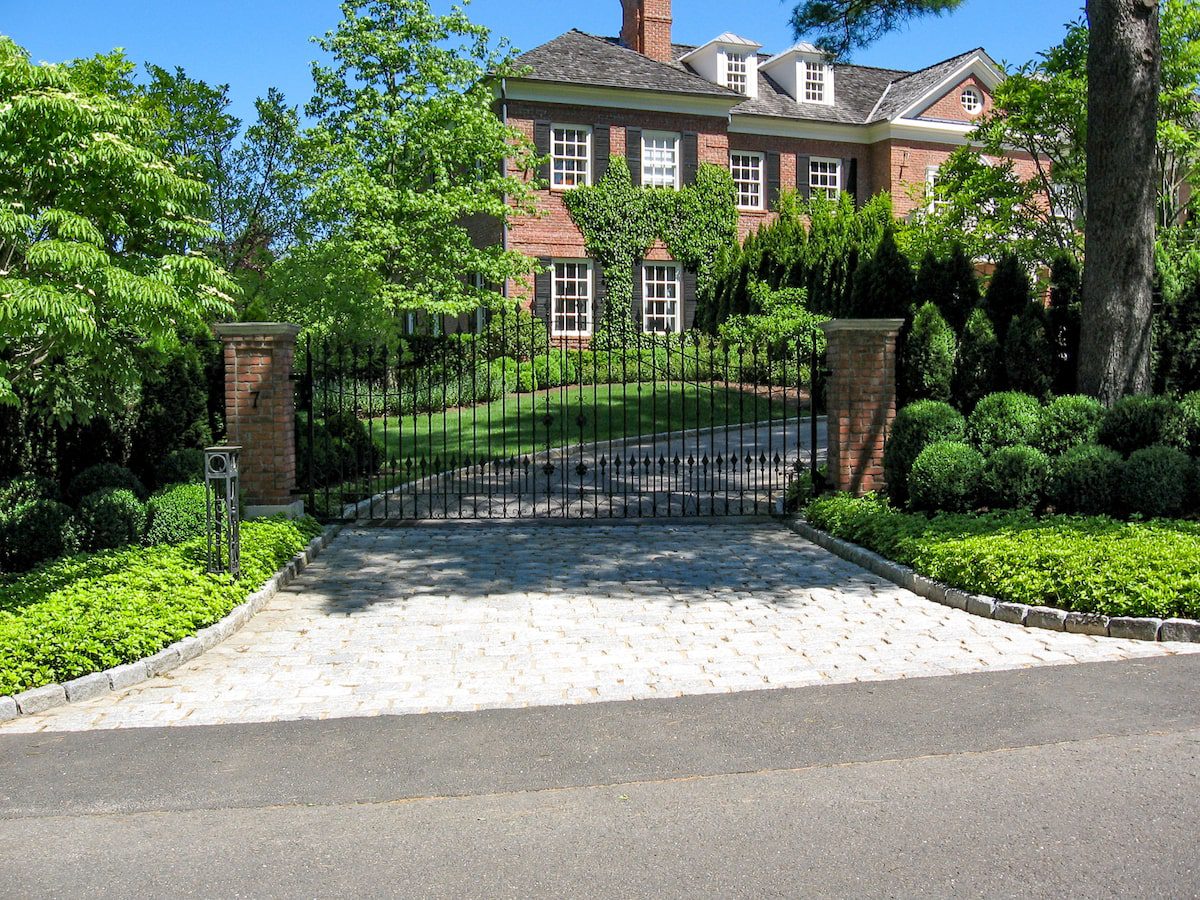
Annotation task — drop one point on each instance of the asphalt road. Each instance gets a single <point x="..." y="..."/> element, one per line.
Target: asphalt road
<point x="1055" y="781"/>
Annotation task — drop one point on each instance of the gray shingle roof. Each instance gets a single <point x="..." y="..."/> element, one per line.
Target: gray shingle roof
<point x="862" y="94"/>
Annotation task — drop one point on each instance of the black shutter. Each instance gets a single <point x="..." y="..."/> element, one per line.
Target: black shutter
<point x="637" y="294"/>
<point x="541" y="143"/>
<point x="601" y="150"/>
<point x="688" y="285"/>
<point x="542" y="284"/>
<point x="850" y="178"/>
<point x="691" y="156"/>
<point x="633" y="153"/>
<point x="772" y="180"/>
<point x="599" y="294"/>
<point x="804" y="176"/>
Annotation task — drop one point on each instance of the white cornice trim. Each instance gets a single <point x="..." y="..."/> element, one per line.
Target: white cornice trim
<point x="952" y="133"/>
<point x="620" y="98"/>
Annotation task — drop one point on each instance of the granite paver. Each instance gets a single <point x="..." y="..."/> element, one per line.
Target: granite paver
<point x="462" y="617"/>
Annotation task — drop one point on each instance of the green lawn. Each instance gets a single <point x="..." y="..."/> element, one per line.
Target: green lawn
<point x="516" y="424"/>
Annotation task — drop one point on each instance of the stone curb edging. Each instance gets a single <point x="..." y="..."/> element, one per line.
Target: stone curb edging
<point x="87" y="687"/>
<point x="1138" y="629"/>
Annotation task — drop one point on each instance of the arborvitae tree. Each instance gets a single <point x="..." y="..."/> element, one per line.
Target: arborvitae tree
<point x="884" y="286"/>
<point x="962" y="289"/>
<point x="977" y="368"/>
<point x="1027" y="353"/>
<point x="927" y="363"/>
<point x="1008" y="294"/>
<point x="1063" y="323"/>
<point x="931" y="279"/>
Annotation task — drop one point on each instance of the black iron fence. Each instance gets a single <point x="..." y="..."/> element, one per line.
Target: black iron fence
<point x="515" y="423"/>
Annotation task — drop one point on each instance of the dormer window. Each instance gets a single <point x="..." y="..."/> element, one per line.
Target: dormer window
<point x="816" y="82"/>
<point x="735" y="72"/>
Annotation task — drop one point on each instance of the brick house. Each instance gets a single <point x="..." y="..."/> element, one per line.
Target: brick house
<point x="789" y="120"/>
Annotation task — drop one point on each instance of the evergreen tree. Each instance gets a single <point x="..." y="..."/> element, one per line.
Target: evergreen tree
<point x="1008" y="294"/>
<point x="1063" y="323"/>
<point x="1027" y="353"/>
<point x="977" y="368"/>
<point x="927" y="363"/>
<point x="962" y="289"/>
<point x="884" y="285"/>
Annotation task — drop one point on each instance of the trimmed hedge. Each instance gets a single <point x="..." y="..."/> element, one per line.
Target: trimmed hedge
<point x="34" y="532"/>
<point x="915" y="427"/>
<point x="945" y="475"/>
<point x="1068" y="422"/>
<point x="1086" y="479"/>
<point x="1156" y="481"/>
<point x="105" y="475"/>
<point x="1137" y="422"/>
<point x="1004" y="419"/>
<point x="110" y="518"/>
<point x="1015" y="477"/>
<point x="89" y="613"/>
<point x="176" y="514"/>
<point x="1095" y="565"/>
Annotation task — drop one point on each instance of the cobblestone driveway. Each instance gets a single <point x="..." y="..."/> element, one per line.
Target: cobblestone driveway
<point x="463" y="617"/>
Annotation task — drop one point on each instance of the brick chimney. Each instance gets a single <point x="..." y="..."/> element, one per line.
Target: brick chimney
<point x="646" y="27"/>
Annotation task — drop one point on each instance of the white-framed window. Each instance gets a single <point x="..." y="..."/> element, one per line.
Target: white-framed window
<point x="747" y="172"/>
<point x="825" y="176"/>
<point x="816" y="82"/>
<point x="571" y="298"/>
<point x="410" y="323"/>
<point x="972" y="100"/>
<point x="570" y="156"/>
<point x="661" y="301"/>
<point x="660" y="159"/>
<point x="736" y="72"/>
<point x="931" y="173"/>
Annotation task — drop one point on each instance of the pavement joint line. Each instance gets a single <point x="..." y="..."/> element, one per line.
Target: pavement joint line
<point x="698" y="777"/>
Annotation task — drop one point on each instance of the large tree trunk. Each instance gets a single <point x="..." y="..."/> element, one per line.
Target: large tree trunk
<point x="1123" y="82"/>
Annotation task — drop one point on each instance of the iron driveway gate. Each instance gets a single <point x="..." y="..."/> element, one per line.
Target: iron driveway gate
<point x="510" y="423"/>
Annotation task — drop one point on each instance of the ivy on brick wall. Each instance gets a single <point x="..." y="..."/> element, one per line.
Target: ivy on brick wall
<point x="620" y="222"/>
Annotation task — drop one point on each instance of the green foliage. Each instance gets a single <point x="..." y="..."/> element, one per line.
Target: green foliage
<point x="620" y="221"/>
<point x="90" y="613"/>
<point x="783" y="320"/>
<point x="109" y="518"/>
<point x="976" y="371"/>
<point x="1086" y="479"/>
<point x="1004" y="419"/>
<point x="176" y="514"/>
<point x="516" y="334"/>
<point x="554" y="370"/>
<point x="32" y="533"/>
<point x="97" y="238"/>
<point x="407" y="150"/>
<point x="179" y="467"/>
<point x="1015" y="477"/>
<point x="1094" y="565"/>
<point x="915" y="427"/>
<point x="1008" y="294"/>
<point x="1177" y="324"/>
<point x="950" y="284"/>
<point x="1136" y="422"/>
<point x="927" y="360"/>
<point x="945" y="476"/>
<point x="1063" y="322"/>
<point x="173" y="412"/>
<point x="1156" y="482"/>
<point x="844" y="25"/>
<point x="342" y="449"/>
<point x="104" y="475"/>
<point x="1028" y="355"/>
<point x="884" y="284"/>
<point x="1068" y="422"/>
<point x="16" y="491"/>
<point x="1183" y="426"/>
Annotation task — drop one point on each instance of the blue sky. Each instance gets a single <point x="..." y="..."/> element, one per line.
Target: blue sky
<point x="255" y="44"/>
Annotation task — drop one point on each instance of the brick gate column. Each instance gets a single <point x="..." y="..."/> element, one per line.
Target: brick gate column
<point x="860" y="400"/>
<point x="260" y="412"/>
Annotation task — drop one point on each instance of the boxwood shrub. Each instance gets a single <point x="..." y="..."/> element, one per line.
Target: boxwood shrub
<point x="176" y="515"/>
<point x="1004" y="419"/>
<point x="945" y="476"/>
<point x="1137" y="422"/>
<point x="104" y="475"/>
<point x="110" y="518"/>
<point x="1068" y="422"/>
<point x="17" y="491"/>
<point x="1157" y="481"/>
<point x="1086" y="480"/>
<point x="554" y="370"/>
<point x="1015" y="477"/>
<point x="915" y="427"/>
<point x="33" y="532"/>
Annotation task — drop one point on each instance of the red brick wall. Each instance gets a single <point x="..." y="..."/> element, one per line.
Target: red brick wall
<point x="861" y="402"/>
<point x="260" y="410"/>
<point x="949" y="106"/>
